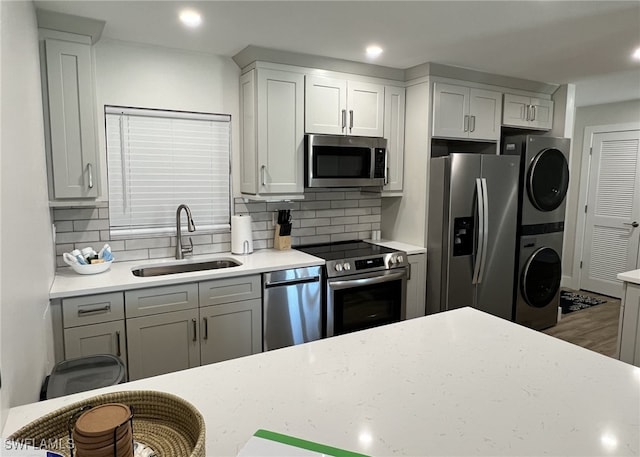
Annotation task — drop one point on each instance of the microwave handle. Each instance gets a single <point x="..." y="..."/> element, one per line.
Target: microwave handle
<point x="386" y="167"/>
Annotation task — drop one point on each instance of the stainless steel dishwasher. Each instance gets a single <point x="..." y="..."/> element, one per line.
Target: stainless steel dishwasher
<point x="292" y="308"/>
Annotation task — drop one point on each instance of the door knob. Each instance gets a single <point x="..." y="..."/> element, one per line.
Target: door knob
<point x="633" y="224"/>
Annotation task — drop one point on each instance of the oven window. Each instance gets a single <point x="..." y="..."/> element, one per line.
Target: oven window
<point x="359" y="308"/>
<point x="341" y="162"/>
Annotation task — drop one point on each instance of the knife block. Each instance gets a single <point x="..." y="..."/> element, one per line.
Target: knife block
<point x="281" y="242"/>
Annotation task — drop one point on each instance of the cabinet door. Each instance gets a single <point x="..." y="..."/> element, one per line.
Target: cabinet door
<point x="163" y="343"/>
<point x="280" y="132"/>
<point x="365" y="106"/>
<point x="248" y="125"/>
<point x="72" y="128"/>
<point x="515" y="110"/>
<point x="485" y="111"/>
<point x="394" y="101"/>
<point x="541" y="114"/>
<point x="325" y="105"/>
<point x="107" y="338"/>
<point x="450" y="111"/>
<point x="231" y="330"/>
<point x="416" y="286"/>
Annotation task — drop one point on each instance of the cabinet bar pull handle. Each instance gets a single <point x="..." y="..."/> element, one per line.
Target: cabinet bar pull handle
<point x="206" y="328"/>
<point x="90" y="167"/>
<point x="263" y="169"/>
<point x="466" y="122"/>
<point x="350" y="119"/>
<point x="528" y="112"/>
<point x="195" y="330"/>
<point x="344" y="118"/>
<point x="533" y="112"/>
<point x="118" y="351"/>
<point x="94" y="310"/>
<point x="473" y="124"/>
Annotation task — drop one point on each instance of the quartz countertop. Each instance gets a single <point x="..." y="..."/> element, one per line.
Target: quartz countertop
<point x="630" y="276"/>
<point x="458" y="383"/>
<point x="67" y="283"/>
<point x="408" y="248"/>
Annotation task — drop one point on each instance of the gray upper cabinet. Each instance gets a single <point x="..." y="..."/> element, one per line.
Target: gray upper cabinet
<point x="340" y="107"/>
<point x="527" y="112"/>
<point x="466" y="112"/>
<point x="394" y="106"/>
<point x="272" y="135"/>
<point x="68" y="86"/>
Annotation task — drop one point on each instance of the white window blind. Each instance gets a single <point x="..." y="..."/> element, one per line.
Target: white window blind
<point x="158" y="160"/>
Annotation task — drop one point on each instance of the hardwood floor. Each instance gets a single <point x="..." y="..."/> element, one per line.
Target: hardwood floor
<point x="594" y="328"/>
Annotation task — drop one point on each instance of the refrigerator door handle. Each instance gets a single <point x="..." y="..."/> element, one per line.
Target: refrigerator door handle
<point x="485" y="226"/>
<point x="481" y="219"/>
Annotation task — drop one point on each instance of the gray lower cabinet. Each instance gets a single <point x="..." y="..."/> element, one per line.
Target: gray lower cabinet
<point x="416" y="286"/>
<point x="94" y="325"/>
<point x="163" y="343"/>
<point x="230" y="330"/>
<point x="159" y="330"/>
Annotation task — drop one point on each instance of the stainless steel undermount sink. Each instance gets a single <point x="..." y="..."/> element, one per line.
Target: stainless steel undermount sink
<point x="159" y="270"/>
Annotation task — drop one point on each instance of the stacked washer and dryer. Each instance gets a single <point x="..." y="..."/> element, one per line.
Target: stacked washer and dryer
<point x="544" y="180"/>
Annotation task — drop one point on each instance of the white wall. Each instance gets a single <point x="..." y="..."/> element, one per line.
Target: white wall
<point x="27" y="246"/>
<point x="607" y="114"/>
<point x="142" y="76"/>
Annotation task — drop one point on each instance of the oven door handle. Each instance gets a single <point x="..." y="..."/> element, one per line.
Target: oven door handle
<point x="337" y="285"/>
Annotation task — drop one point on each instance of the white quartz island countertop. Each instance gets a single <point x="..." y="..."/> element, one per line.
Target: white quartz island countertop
<point x="459" y="383"/>
<point x="630" y="276"/>
<point x="67" y="283"/>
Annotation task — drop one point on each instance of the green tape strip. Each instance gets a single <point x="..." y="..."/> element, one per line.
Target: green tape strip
<point x="304" y="444"/>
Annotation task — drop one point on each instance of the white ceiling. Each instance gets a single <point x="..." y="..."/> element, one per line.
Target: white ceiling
<point x="547" y="41"/>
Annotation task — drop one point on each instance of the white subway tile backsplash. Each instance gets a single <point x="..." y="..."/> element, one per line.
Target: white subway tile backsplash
<point x="323" y="216"/>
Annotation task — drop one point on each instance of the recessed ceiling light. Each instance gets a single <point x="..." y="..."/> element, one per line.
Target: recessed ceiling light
<point x="374" y="51"/>
<point x="190" y="18"/>
<point x="636" y="54"/>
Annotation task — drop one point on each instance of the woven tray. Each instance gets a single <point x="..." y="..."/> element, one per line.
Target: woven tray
<point x="166" y="423"/>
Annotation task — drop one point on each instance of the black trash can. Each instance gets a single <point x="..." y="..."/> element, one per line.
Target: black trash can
<point x="82" y="374"/>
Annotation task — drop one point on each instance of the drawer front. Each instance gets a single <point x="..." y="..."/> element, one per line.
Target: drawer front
<point x="92" y="309"/>
<point x="230" y="290"/>
<point x="156" y="300"/>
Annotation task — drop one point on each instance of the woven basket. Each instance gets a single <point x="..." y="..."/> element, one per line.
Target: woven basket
<point x="166" y="423"/>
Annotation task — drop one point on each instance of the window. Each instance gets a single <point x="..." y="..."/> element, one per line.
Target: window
<point x="158" y="160"/>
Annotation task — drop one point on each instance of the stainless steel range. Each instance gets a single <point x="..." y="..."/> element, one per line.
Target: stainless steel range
<point x="365" y="285"/>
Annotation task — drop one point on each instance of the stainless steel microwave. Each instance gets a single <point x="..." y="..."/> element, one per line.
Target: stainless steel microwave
<point x="345" y="161"/>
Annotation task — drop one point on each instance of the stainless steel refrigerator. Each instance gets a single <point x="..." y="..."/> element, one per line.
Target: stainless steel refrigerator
<point x="471" y="240"/>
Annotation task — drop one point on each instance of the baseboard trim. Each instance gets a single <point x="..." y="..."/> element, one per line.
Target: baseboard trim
<point x="569" y="282"/>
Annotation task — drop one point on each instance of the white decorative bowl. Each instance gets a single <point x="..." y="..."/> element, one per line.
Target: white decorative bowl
<point x="91" y="269"/>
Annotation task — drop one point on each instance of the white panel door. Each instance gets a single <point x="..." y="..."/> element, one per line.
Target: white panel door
<point x="613" y="212"/>
<point x="365" y="106"/>
<point x="485" y="109"/>
<point x="325" y="105"/>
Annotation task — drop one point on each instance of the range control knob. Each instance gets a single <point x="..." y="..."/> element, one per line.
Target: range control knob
<point x="400" y="259"/>
<point x="338" y="267"/>
<point x="347" y="267"/>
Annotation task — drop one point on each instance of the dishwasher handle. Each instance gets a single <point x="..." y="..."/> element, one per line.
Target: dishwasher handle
<point x="291" y="282"/>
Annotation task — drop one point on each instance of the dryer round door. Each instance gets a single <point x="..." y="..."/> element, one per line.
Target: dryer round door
<point x="541" y="277"/>
<point x="548" y="179"/>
